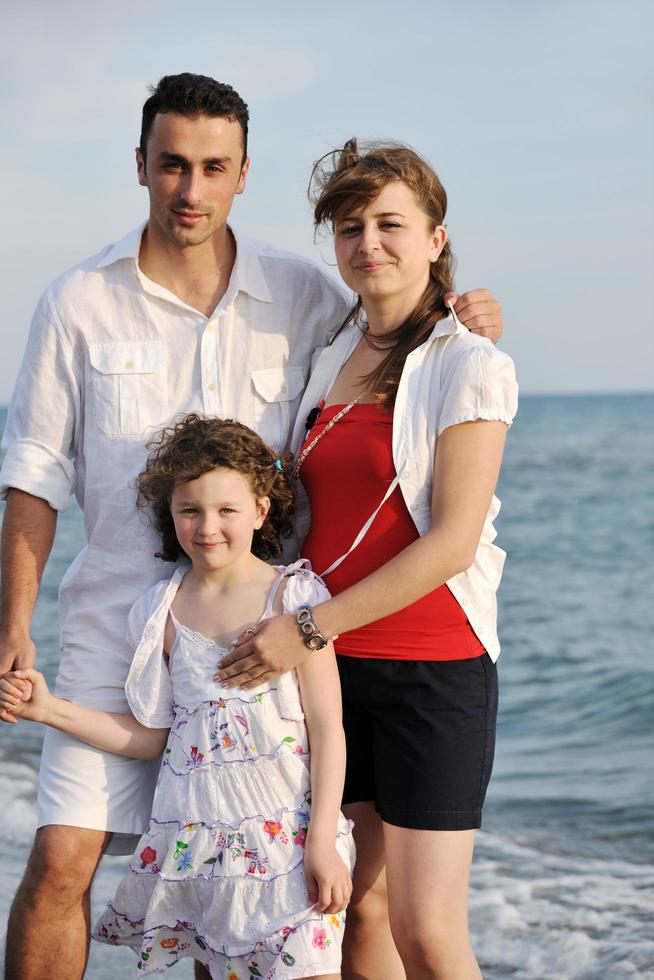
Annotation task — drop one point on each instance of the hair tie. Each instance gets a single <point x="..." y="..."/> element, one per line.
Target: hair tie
<point x="278" y="465"/>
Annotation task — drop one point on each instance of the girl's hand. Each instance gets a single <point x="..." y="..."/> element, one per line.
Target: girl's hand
<point x="328" y="880"/>
<point x="24" y="694"/>
<point x="260" y="657"/>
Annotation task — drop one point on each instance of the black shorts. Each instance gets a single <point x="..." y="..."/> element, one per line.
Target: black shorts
<point x="420" y="738"/>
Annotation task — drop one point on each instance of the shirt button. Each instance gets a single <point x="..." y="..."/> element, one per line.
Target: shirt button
<point x="129" y="364"/>
<point x="211" y="387"/>
<point x="210" y="326"/>
<point x="283" y="389"/>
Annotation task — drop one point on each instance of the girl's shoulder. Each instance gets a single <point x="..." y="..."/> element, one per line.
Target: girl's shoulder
<point x="156" y="599"/>
<point x="301" y="586"/>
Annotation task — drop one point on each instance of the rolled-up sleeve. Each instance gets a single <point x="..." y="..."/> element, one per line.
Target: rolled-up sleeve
<point x="41" y="433"/>
<point x="479" y="383"/>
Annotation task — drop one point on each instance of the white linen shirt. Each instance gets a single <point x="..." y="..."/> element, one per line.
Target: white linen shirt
<point x="453" y="377"/>
<point x="111" y="356"/>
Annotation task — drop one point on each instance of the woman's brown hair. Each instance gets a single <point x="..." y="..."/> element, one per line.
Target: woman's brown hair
<point x="348" y="179"/>
<point x="195" y="445"/>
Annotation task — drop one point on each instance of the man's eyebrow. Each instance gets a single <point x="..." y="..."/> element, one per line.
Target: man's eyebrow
<point x="173" y="157"/>
<point x="169" y="157"/>
<point x="216" y="161"/>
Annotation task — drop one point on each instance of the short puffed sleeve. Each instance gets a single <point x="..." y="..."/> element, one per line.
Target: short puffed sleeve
<point x="148" y="688"/>
<point x="477" y="382"/>
<point x="303" y="587"/>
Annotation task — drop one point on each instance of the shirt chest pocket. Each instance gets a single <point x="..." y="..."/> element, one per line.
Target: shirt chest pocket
<point x="276" y="393"/>
<point x="130" y="386"/>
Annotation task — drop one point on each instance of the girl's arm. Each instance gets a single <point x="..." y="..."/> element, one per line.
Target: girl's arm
<point x="111" y="731"/>
<point x="328" y="879"/>
<point x="466" y="468"/>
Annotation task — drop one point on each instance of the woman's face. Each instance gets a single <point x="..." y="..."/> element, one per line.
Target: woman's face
<point x="384" y="249"/>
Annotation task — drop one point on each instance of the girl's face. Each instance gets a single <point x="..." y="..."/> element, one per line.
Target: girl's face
<point x="215" y="517"/>
<point x="385" y="249"/>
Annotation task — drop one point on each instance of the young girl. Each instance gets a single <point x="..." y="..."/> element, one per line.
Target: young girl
<point x="245" y="865"/>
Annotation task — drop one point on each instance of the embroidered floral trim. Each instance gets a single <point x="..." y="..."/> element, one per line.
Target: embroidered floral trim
<point x="271" y="944"/>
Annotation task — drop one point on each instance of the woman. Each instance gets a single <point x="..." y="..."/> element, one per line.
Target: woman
<point x="406" y="396"/>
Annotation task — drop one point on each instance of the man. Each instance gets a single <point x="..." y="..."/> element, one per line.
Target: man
<point x="181" y="315"/>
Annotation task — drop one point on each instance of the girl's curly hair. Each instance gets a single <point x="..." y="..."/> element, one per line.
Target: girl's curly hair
<point x="195" y="445"/>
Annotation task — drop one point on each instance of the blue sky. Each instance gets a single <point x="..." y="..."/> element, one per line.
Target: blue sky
<point x="536" y="114"/>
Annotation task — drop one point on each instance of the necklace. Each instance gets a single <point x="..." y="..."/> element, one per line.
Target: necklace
<point x="330" y="425"/>
<point x="371" y="338"/>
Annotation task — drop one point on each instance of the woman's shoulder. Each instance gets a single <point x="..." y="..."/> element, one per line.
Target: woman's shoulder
<point x="475" y="381"/>
<point x="464" y="346"/>
<point x="463" y="358"/>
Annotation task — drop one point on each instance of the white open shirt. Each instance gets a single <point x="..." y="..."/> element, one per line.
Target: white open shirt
<point x="453" y="377"/>
<point x="111" y="356"/>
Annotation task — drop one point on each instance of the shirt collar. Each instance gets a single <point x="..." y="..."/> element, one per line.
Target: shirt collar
<point x="247" y="274"/>
<point x="447" y="326"/>
<point x="126" y="248"/>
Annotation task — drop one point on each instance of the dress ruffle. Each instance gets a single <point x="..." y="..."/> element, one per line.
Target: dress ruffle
<point x="232" y="915"/>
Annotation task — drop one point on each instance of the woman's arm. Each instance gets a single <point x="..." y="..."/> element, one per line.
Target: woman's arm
<point x="466" y="468"/>
<point x="328" y="879"/>
<point x="111" y="731"/>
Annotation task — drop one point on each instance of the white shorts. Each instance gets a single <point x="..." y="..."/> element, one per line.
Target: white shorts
<point x="80" y="786"/>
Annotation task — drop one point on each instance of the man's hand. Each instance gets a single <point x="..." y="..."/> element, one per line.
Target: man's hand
<point x="15" y="654"/>
<point x="260" y="657"/>
<point x="480" y="312"/>
<point x="24" y="694"/>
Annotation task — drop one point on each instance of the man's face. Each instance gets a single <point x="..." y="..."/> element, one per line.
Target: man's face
<point x="194" y="168"/>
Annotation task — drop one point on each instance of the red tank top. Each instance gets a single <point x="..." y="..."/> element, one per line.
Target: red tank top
<point x="346" y="475"/>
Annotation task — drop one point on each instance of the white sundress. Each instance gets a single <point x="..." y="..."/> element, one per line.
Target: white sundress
<point x="219" y="875"/>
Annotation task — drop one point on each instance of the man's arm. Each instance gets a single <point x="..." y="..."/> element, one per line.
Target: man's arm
<point x="27" y="534"/>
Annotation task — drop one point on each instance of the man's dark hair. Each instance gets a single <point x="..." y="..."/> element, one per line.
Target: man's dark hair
<point x="191" y="96"/>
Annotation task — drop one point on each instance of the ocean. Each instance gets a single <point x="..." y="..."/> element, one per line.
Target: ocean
<point x="562" y="885"/>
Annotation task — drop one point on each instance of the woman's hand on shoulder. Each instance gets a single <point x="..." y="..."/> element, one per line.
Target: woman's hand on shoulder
<point x="328" y="880"/>
<point x="480" y="312"/>
<point x="24" y="694"/>
<point x="258" y="658"/>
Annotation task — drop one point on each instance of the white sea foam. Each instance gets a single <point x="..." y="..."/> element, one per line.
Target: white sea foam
<point x="17" y="801"/>
<point x="543" y="916"/>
